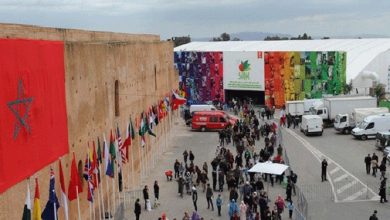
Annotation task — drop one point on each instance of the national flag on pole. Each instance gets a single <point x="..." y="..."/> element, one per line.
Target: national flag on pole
<point x="177" y="100"/>
<point x="132" y="133"/>
<point x="109" y="159"/>
<point x="106" y="154"/>
<point x="142" y="130"/>
<point x="95" y="166"/>
<point x="99" y="152"/>
<point x="27" y="205"/>
<point x="112" y="147"/>
<point x="52" y="205"/>
<point x="152" y="121"/>
<point x="74" y="181"/>
<point x="127" y="142"/>
<point x="88" y="175"/>
<point x="148" y="129"/>
<point x="63" y="192"/>
<point x="37" y="206"/>
<point x="122" y="148"/>
<point x="155" y="112"/>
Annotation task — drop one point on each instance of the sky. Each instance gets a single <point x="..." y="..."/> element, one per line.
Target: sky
<point x="205" y="18"/>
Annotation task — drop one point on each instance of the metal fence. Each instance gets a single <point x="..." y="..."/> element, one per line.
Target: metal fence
<point x="301" y="205"/>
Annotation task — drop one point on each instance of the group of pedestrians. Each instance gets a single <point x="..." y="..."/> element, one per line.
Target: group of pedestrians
<point x="147" y="202"/>
<point x="372" y="167"/>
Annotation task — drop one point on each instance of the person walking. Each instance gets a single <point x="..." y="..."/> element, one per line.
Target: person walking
<point x="176" y="166"/>
<point x="382" y="168"/>
<point x="194" y="197"/>
<point x="137" y="209"/>
<point x="293" y="178"/>
<point x="209" y="195"/>
<point x="374" y="165"/>
<point x="156" y="188"/>
<point x="219" y="203"/>
<point x="373" y="216"/>
<point x="324" y="165"/>
<point x="146" y="195"/>
<point x="185" y="156"/>
<point x="288" y="190"/>
<point x="233" y="209"/>
<point x="290" y="207"/>
<point x="192" y="156"/>
<point x="382" y="191"/>
<point x="367" y="161"/>
<point x="214" y="177"/>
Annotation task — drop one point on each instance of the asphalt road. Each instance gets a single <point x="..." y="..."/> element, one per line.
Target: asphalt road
<point x="349" y="192"/>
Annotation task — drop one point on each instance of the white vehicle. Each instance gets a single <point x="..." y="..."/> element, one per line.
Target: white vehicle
<point x="312" y="124"/>
<point x="300" y="107"/>
<point x="346" y="122"/>
<point x="371" y="125"/>
<point x="199" y="108"/>
<point x="295" y="108"/>
<point x="333" y="106"/>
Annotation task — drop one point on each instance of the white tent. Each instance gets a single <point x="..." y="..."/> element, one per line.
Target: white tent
<point x="269" y="167"/>
<point x="362" y="54"/>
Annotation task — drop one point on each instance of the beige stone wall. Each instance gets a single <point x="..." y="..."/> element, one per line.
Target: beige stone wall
<point x="91" y="69"/>
<point x="46" y="33"/>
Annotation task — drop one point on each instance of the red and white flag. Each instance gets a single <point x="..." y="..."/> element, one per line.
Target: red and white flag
<point x="63" y="192"/>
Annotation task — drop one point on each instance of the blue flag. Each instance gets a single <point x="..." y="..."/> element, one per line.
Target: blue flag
<point x="49" y="212"/>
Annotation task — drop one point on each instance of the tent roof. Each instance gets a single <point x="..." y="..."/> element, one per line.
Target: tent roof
<point x="360" y="52"/>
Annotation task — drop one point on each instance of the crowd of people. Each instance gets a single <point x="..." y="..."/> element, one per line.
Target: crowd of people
<point x="235" y="154"/>
<point x="372" y="166"/>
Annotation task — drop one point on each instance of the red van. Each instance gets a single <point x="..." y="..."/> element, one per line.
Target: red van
<point x="212" y="120"/>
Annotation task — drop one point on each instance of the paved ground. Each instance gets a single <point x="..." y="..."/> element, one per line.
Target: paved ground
<point x="349" y="194"/>
<point x="203" y="146"/>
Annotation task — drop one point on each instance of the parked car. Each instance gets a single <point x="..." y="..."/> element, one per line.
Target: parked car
<point x="312" y="124"/>
<point x="382" y="140"/>
<point x="212" y="120"/>
<point x="371" y="125"/>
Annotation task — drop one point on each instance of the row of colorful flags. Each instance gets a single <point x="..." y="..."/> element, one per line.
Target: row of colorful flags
<point x="94" y="158"/>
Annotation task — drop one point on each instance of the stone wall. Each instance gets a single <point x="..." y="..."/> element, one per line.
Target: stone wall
<point x="143" y="67"/>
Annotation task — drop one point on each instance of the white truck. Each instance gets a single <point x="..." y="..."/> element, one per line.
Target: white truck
<point x="371" y="125"/>
<point x="335" y="105"/>
<point x="299" y="108"/>
<point x="312" y="124"/>
<point x="344" y="123"/>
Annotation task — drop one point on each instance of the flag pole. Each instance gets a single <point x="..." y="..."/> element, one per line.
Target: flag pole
<point x="78" y="202"/>
<point x="98" y="191"/>
<point x="90" y="210"/>
<point x="108" y="199"/>
<point x="114" y="196"/>
<point x="132" y="169"/>
<point x="100" y="188"/>
<point x="55" y="214"/>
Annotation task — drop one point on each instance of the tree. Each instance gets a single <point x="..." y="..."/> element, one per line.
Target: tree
<point x="223" y="37"/>
<point x="236" y="39"/>
<point x="177" y="41"/>
<point x="379" y="92"/>
<point x="303" y="37"/>
<point x="276" y="37"/>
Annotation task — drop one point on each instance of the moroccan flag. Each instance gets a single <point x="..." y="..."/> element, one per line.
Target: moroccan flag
<point x="52" y="205"/>
<point x="32" y="107"/>
<point x="27" y="205"/>
<point x="63" y="192"/>
<point x="74" y="181"/>
<point x="37" y="205"/>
